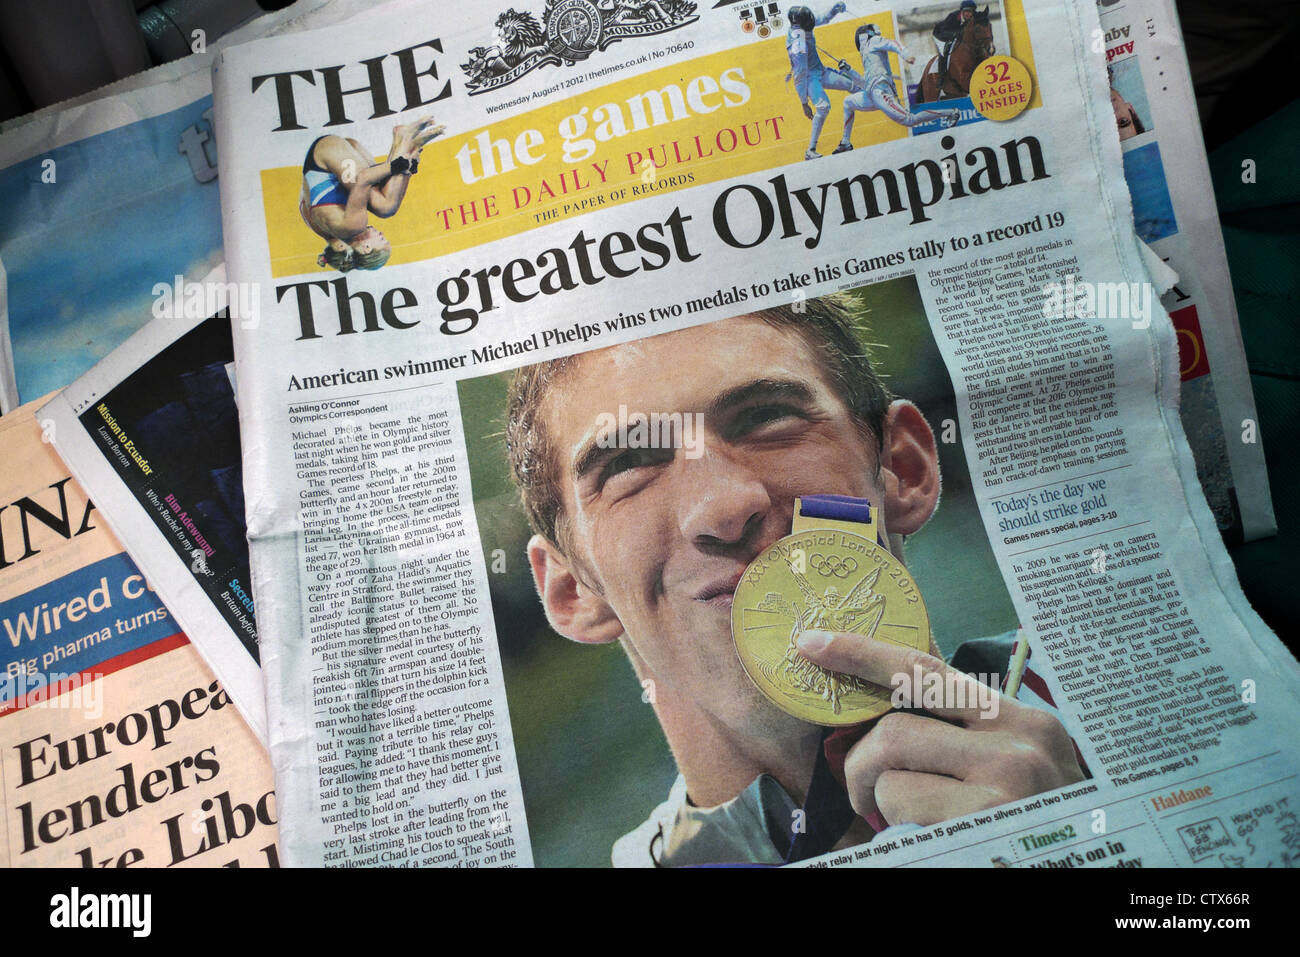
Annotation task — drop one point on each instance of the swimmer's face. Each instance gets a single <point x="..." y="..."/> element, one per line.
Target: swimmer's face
<point x="371" y="249"/>
<point x="658" y="540"/>
<point x="369" y="240"/>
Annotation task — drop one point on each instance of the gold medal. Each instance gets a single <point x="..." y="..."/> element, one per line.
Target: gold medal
<point x="828" y="575"/>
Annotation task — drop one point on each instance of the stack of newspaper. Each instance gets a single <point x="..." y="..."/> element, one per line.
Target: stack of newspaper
<point x="657" y="433"/>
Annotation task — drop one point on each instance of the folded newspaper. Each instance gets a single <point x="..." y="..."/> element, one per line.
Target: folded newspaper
<point x="681" y="435"/>
<point x="152" y="433"/>
<point x="65" y="306"/>
<point x="117" y="744"/>
<point x="1174" y="210"/>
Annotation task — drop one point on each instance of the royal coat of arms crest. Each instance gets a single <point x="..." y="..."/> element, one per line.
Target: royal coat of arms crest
<point x="569" y="31"/>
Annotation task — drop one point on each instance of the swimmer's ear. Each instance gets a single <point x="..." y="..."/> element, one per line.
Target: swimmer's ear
<point x="909" y="469"/>
<point x="573" y="609"/>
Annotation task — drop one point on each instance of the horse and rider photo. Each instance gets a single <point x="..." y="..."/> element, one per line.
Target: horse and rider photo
<point x="958" y="36"/>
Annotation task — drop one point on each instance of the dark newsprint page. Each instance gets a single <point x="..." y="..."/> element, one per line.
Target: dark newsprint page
<point x="152" y="432"/>
<point x="680" y="435"/>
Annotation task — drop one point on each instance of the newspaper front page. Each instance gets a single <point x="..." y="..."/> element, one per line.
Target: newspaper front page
<point x="560" y="316"/>
<point x="119" y="746"/>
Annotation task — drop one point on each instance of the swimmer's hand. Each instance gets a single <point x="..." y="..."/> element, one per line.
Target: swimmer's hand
<point x="988" y="750"/>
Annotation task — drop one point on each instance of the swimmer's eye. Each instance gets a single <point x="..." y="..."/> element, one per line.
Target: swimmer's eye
<point x="759" y="419"/>
<point x="624" y="463"/>
<point x="624" y="471"/>
<point x="631" y="460"/>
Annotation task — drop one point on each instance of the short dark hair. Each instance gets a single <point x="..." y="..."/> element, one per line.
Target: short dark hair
<point x="831" y="326"/>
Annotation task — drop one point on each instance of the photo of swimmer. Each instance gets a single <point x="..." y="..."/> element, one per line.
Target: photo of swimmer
<point x="629" y="691"/>
<point x="342" y="186"/>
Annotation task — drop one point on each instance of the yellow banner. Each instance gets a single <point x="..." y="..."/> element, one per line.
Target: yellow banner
<point x="695" y="122"/>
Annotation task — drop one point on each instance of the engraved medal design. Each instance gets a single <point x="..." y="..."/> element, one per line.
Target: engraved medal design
<point x="823" y="580"/>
